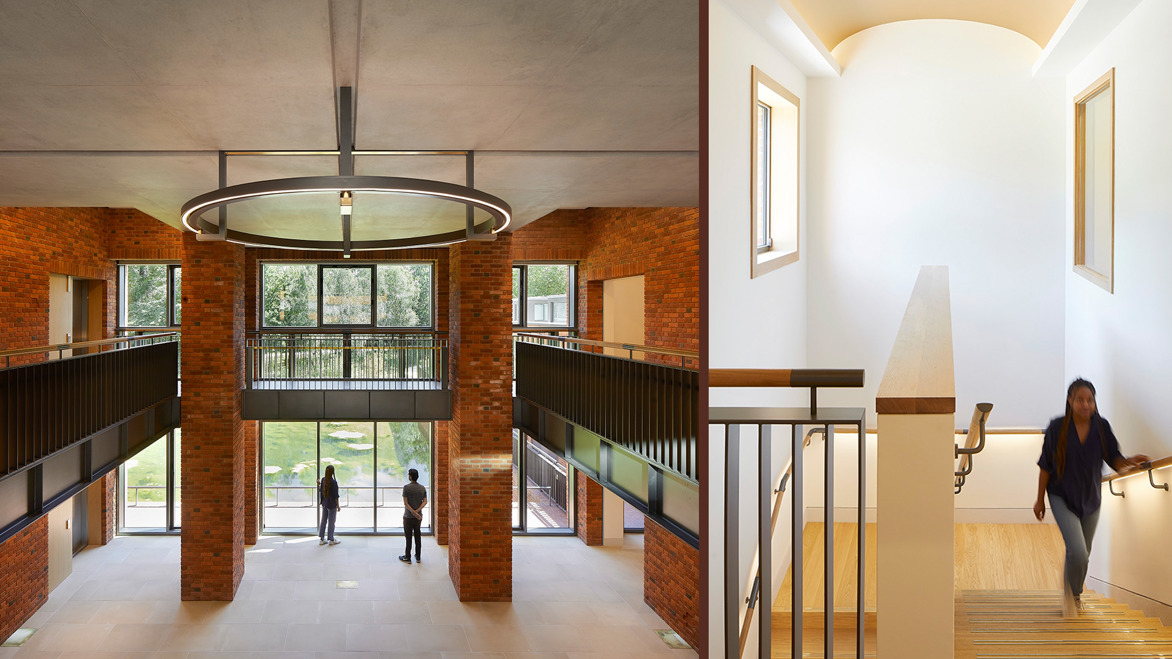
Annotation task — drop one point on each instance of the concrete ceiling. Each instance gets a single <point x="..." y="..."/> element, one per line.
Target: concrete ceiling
<point x="568" y="103"/>
<point x="835" y="20"/>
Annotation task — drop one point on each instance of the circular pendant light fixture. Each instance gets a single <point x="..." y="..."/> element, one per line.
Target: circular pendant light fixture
<point x="426" y="221"/>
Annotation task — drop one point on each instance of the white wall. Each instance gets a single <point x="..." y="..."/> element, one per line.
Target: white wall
<point x="1121" y="341"/>
<point x="936" y="146"/>
<point x="759" y="322"/>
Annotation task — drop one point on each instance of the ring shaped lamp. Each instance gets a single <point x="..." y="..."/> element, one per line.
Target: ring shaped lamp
<point x="500" y="212"/>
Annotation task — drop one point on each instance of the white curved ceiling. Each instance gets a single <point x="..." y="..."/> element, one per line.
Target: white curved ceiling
<point x="835" y="20"/>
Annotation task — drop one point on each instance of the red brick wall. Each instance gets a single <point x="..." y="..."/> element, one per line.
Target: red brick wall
<point x="480" y="536"/>
<point x="588" y="509"/>
<point x="109" y="489"/>
<point x="662" y="244"/>
<point x="212" y="547"/>
<point x="671" y="581"/>
<point x="133" y="235"/>
<point x="251" y="481"/>
<point x="438" y="496"/>
<point x="24" y="581"/>
<point x="35" y="242"/>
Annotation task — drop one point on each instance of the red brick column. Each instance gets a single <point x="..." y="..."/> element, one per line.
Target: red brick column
<point x="671" y="580"/>
<point x="588" y="504"/>
<point x="480" y="534"/>
<point x="438" y="496"/>
<point x="251" y="481"/>
<point x="109" y="489"/>
<point x="212" y="557"/>
<point x="24" y="584"/>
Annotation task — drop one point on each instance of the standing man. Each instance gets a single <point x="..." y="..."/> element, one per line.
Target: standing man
<point x="414" y="499"/>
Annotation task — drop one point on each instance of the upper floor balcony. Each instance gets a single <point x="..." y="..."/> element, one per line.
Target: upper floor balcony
<point x="315" y="375"/>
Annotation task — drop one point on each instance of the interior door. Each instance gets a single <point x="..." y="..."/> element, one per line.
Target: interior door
<point x="60" y="312"/>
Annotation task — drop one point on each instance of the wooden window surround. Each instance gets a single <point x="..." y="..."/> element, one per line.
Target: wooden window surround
<point x="1094" y="182"/>
<point x="774" y="183"/>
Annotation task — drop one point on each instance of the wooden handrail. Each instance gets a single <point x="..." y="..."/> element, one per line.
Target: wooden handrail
<point x="82" y="344"/>
<point x="919" y="375"/>
<point x="609" y="344"/>
<point x="787" y="377"/>
<point x="1152" y="466"/>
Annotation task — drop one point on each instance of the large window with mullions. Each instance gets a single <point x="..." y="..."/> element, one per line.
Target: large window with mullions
<point x="392" y="295"/>
<point x="370" y="461"/>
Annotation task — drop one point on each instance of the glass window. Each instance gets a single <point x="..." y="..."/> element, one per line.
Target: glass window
<point x="289" y="295"/>
<point x="290" y="474"/>
<point x="145" y="295"/>
<point x="543" y="295"/>
<point x="517" y="320"/>
<point x="346" y="295"/>
<point x="775" y="183"/>
<point x="404" y="295"/>
<point x="402" y="446"/>
<point x="370" y="461"/>
<point x="349" y="446"/>
<point x="176" y="293"/>
<point x="541" y="498"/>
<point x="144" y="488"/>
<point x="1094" y="208"/>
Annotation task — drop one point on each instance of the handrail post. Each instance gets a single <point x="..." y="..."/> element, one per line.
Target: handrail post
<point x="248" y="356"/>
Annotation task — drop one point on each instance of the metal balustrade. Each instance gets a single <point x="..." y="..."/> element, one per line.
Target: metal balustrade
<point x="346" y="360"/>
<point x="798" y="424"/>
<point x="649" y="409"/>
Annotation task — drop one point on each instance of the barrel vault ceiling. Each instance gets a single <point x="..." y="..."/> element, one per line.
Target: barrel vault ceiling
<point x="568" y="104"/>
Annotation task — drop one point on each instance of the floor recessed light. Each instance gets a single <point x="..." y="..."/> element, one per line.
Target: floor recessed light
<point x="672" y="639"/>
<point x="347" y="584"/>
<point x="19" y="637"/>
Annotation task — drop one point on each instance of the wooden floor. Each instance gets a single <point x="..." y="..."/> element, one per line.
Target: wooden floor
<point x="1008" y="603"/>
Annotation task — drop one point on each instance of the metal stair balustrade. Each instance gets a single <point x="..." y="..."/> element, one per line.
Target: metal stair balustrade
<point x="651" y="410"/>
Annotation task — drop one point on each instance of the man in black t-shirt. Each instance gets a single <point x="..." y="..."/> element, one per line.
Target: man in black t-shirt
<point x="414" y="499"/>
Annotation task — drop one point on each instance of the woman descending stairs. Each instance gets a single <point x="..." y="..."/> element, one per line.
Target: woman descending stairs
<point x="1012" y="624"/>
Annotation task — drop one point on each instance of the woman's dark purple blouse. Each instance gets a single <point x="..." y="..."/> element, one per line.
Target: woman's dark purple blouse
<point x="1080" y="485"/>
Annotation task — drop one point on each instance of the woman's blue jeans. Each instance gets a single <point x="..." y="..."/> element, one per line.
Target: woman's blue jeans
<point x="328" y="515"/>
<point x="1077" y="532"/>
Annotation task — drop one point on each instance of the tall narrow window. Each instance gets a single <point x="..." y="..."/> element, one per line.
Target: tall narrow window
<point x="1094" y="182"/>
<point x="774" y="182"/>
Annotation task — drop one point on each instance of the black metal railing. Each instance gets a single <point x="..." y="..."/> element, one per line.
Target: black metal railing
<point x="649" y="409"/>
<point x="543" y="470"/>
<point x="48" y="406"/>
<point x="761" y="423"/>
<point x="284" y="360"/>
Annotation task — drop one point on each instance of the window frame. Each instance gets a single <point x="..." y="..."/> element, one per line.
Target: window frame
<point x="373" y="325"/>
<point x="523" y="298"/>
<point x="766" y="252"/>
<point x="172" y="298"/>
<point x="1105" y="280"/>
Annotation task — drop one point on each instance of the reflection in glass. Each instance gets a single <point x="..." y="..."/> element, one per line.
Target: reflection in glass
<point x="289" y="295"/>
<point x="547" y="295"/>
<point x="349" y="446"/>
<point x="290" y="474"/>
<point x="404" y="295"/>
<point x="145" y="295"/>
<point x="402" y="446"/>
<point x="176" y="492"/>
<point x="547" y="488"/>
<point x="144" y="487"/>
<point x="516" y="296"/>
<point x="345" y="295"/>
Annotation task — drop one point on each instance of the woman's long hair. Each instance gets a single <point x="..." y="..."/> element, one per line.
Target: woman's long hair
<point x="1063" y="433"/>
<point x="326" y="490"/>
